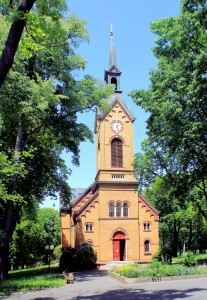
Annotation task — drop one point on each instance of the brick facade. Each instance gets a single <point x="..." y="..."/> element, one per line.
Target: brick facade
<point x="130" y="234"/>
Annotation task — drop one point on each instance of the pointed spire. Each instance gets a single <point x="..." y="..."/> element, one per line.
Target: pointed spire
<point x="112" y="57"/>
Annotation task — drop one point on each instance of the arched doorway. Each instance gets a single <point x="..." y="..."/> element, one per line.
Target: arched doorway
<point x="119" y="246"/>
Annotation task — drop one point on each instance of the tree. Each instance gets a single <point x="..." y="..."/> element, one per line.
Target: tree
<point x="15" y="33"/>
<point x="39" y="103"/>
<point x="181" y="227"/>
<point x="176" y="103"/>
<point x="28" y="247"/>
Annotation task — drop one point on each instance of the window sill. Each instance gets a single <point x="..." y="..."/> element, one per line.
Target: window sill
<point x="119" y="217"/>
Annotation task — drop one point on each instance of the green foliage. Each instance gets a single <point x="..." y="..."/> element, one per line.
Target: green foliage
<point x="158" y="269"/>
<point x="181" y="226"/>
<point x="57" y="253"/>
<point x="176" y="105"/>
<point x="39" y="105"/>
<point x="190" y="260"/>
<point x="76" y="259"/>
<point x="164" y="254"/>
<point x="27" y="247"/>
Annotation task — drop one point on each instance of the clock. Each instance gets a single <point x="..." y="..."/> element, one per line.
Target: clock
<point x="117" y="126"/>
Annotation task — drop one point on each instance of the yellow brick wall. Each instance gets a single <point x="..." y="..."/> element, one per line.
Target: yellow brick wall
<point x="105" y="134"/>
<point x="98" y="213"/>
<point x="132" y="226"/>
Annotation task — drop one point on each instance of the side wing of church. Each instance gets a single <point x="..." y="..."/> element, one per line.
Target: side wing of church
<point x="111" y="214"/>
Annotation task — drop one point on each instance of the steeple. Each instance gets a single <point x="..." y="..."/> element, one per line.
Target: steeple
<point x="112" y="55"/>
<point x="112" y="74"/>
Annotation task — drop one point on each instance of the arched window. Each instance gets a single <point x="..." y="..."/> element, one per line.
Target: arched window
<point x="111" y="209"/>
<point x="117" y="153"/>
<point x="114" y="81"/>
<point x="147" y="246"/>
<point x="118" y="209"/>
<point x="125" y="209"/>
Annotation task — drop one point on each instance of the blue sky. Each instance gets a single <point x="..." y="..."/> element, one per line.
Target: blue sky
<point x="133" y="42"/>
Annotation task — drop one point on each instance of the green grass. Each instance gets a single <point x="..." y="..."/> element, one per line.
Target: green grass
<point x="32" y="279"/>
<point x="199" y="257"/>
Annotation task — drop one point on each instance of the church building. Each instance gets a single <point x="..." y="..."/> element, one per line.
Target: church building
<point x="111" y="214"/>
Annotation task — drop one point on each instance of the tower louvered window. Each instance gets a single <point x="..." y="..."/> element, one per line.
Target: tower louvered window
<point x="117" y="153"/>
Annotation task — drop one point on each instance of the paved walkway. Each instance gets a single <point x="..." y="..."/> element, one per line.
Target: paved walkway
<point x="97" y="285"/>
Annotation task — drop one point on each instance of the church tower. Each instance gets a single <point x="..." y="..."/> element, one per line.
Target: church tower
<point x="111" y="214"/>
<point x="114" y="131"/>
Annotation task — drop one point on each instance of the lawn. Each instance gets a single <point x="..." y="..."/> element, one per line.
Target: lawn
<point x="200" y="258"/>
<point x="32" y="279"/>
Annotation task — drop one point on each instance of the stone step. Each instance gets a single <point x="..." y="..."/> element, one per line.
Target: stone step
<point x="115" y="264"/>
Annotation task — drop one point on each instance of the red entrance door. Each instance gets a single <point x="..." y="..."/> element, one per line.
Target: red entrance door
<point x="119" y="246"/>
<point x="116" y="250"/>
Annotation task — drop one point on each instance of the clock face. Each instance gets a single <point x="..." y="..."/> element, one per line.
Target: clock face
<point x="117" y="126"/>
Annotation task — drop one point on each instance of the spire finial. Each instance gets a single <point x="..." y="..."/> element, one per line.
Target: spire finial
<point x="111" y="30"/>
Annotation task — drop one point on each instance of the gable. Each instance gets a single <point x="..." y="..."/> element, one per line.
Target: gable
<point x="148" y="207"/>
<point x="113" y="69"/>
<point x="82" y="196"/>
<point x="88" y="205"/>
<point x="112" y="100"/>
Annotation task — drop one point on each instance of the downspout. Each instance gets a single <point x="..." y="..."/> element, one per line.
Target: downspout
<point x="138" y="228"/>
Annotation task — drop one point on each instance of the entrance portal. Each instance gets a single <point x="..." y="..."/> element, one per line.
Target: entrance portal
<point x="119" y="246"/>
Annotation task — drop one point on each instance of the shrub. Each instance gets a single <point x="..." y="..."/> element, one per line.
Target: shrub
<point x="57" y="253"/>
<point x="86" y="257"/>
<point x="76" y="259"/>
<point x="190" y="260"/>
<point x="164" y="254"/>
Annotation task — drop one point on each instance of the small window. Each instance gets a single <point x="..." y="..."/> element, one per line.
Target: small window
<point x="111" y="209"/>
<point x="89" y="227"/>
<point x="118" y="209"/>
<point x="125" y="209"/>
<point x="147" y="226"/>
<point x="147" y="246"/>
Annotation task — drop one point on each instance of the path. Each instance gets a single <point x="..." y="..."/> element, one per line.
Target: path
<point x="97" y="285"/>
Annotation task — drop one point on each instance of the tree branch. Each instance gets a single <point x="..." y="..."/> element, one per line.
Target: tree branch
<point x="14" y="36"/>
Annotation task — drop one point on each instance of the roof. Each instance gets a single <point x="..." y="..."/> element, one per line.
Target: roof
<point x="111" y="101"/>
<point x="112" y="55"/>
<point x="76" y="193"/>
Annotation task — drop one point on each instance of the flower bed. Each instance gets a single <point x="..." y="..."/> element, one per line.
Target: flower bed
<point x="158" y="270"/>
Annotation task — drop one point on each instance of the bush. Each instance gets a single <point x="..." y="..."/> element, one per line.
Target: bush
<point x="57" y="253"/>
<point x="190" y="260"/>
<point x="76" y="259"/>
<point x="164" y="255"/>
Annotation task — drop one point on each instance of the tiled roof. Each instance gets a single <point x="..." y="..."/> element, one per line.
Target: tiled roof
<point x="76" y="193"/>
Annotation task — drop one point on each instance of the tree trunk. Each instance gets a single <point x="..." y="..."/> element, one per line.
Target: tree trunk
<point x="10" y="214"/>
<point x="14" y="36"/>
<point x="175" y="239"/>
